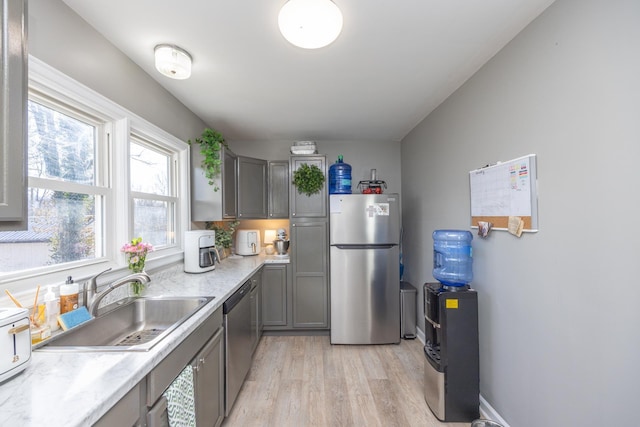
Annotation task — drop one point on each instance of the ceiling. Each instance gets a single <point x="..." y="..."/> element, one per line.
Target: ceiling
<point x="394" y="62"/>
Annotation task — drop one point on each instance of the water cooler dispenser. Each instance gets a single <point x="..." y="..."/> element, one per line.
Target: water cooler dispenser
<point x="451" y="378"/>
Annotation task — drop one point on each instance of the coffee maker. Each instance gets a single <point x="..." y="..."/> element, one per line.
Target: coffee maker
<point x="451" y="377"/>
<point x="200" y="251"/>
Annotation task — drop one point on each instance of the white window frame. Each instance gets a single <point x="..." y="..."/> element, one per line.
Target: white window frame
<point x="120" y="124"/>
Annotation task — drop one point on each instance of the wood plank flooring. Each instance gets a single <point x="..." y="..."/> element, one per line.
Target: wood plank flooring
<point x="305" y="381"/>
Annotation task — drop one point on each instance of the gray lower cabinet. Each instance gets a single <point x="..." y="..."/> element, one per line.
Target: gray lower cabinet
<point x="202" y="350"/>
<point x="279" y="189"/>
<point x="274" y="296"/>
<point x="124" y="413"/>
<point x="252" y="188"/>
<point x="209" y="382"/>
<point x="310" y="282"/>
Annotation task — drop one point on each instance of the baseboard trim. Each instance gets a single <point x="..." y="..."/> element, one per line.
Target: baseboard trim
<point x="488" y="412"/>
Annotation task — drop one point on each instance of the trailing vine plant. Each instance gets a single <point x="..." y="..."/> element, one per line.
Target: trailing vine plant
<point x="211" y="143"/>
<point x="308" y="179"/>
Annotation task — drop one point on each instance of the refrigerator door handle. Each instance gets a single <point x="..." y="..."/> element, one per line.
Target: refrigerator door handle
<point x="389" y="246"/>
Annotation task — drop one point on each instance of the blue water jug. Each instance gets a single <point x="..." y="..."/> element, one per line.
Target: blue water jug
<point x="452" y="257"/>
<point x="340" y="177"/>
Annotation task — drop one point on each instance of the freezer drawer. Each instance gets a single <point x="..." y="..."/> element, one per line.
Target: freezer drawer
<point x="365" y="296"/>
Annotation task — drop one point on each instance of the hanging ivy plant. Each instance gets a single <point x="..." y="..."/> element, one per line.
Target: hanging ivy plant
<point x="211" y="143"/>
<point x="308" y="179"/>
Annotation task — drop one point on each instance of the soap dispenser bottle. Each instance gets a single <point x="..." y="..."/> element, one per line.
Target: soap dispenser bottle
<point x="52" y="305"/>
<point x="68" y="296"/>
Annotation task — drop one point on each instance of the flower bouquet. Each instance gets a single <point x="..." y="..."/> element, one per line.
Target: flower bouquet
<point x="137" y="254"/>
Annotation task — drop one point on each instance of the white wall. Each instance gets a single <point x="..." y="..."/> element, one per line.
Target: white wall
<point x="559" y="320"/>
<point x="59" y="37"/>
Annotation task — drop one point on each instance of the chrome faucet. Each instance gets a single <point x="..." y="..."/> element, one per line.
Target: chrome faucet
<point x="95" y="303"/>
<point x="89" y="292"/>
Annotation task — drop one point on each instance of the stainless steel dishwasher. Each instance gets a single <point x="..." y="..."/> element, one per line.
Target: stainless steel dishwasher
<point x="238" y="342"/>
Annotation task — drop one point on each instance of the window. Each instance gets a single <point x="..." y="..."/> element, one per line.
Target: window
<point x="152" y="192"/>
<point x="98" y="176"/>
<point x="64" y="198"/>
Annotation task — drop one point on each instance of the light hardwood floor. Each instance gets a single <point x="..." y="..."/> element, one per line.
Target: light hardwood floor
<point x="305" y="381"/>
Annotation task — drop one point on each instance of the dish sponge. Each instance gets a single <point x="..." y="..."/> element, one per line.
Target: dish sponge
<point x="73" y="318"/>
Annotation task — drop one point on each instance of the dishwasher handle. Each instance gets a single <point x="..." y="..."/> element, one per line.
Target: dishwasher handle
<point x="234" y="299"/>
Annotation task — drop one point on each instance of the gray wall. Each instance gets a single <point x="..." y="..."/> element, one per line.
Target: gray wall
<point x="59" y="37"/>
<point x="559" y="340"/>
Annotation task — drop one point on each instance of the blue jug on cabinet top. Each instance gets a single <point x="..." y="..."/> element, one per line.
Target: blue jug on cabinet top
<point x="340" y="177"/>
<point x="452" y="257"/>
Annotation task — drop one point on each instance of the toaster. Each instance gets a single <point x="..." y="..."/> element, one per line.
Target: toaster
<point x="15" y="341"/>
<point x="248" y="242"/>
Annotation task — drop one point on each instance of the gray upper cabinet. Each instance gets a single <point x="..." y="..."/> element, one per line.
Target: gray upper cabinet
<point x="207" y="204"/>
<point x="252" y="188"/>
<point x="279" y="189"/>
<point x="13" y="119"/>
<point x="301" y="205"/>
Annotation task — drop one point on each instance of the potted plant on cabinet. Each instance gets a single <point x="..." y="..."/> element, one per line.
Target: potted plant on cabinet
<point x="211" y="143"/>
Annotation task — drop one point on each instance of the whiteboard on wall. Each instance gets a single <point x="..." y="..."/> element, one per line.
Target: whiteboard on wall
<point x="503" y="190"/>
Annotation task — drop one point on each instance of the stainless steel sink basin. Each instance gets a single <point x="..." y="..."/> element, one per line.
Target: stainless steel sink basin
<point x="135" y="326"/>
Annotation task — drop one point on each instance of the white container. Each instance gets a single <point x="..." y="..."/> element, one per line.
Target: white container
<point x="52" y="309"/>
<point x="247" y="242"/>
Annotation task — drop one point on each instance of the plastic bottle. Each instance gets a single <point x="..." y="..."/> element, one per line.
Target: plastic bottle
<point x="52" y="309"/>
<point x="68" y="296"/>
<point x="340" y="177"/>
<point x="452" y="257"/>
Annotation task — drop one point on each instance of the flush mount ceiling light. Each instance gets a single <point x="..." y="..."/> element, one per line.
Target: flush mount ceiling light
<point x="173" y="61"/>
<point x="310" y="24"/>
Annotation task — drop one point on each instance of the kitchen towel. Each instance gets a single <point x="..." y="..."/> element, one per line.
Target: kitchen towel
<point x="181" y="404"/>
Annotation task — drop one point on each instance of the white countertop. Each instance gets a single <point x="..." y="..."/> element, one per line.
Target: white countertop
<point x="76" y="389"/>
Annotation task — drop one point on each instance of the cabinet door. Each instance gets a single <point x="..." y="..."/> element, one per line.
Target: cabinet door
<point x="124" y="413"/>
<point x="252" y="188"/>
<point x="279" y="189"/>
<point x="274" y="295"/>
<point x="310" y="275"/>
<point x="207" y="202"/>
<point x="229" y="184"/>
<point x="209" y="382"/>
<point x="301" y="205"/>
<point x="13" y="120"/>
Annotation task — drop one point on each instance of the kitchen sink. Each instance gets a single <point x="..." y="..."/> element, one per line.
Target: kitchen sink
<point x="136" y="325"/>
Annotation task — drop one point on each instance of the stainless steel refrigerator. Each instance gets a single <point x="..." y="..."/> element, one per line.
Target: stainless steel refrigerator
<point x="365" y="268"/>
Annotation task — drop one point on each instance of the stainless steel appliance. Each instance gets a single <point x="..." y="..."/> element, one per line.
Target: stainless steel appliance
<point x="365" y="268"/>
<point x="451" y="371"/>
<point x="200" y="251"/>
<point x="247" y="242"/>
<point x="15" y="341"/>
<point x="238" y="342"/>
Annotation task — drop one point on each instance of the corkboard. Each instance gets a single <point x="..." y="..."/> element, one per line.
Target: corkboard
<point x="503" y="190"/>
